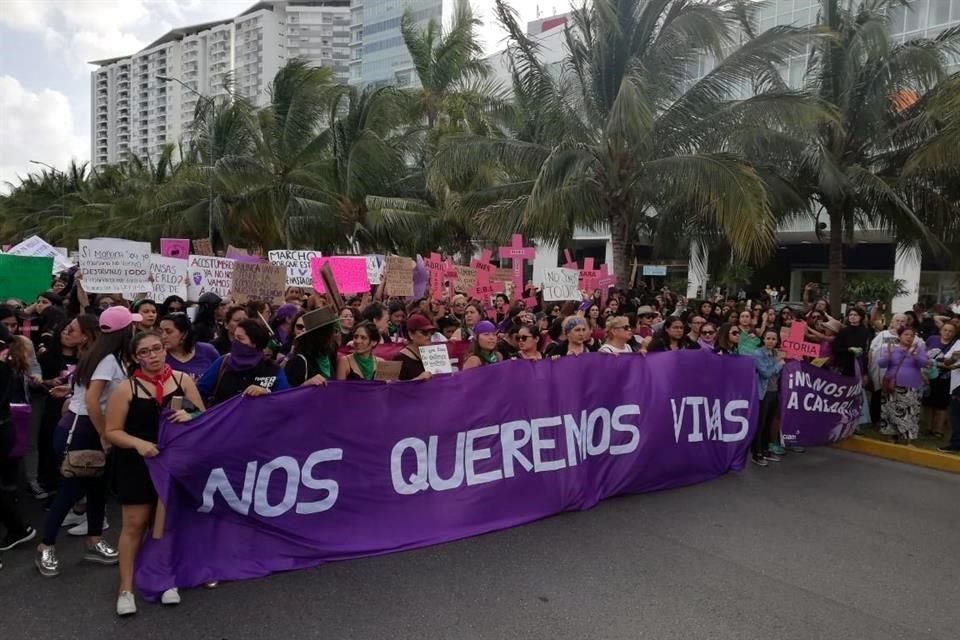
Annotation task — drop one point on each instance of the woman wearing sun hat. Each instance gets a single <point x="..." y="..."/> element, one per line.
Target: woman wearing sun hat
<point x="313" y="358"/>
<point x="101" y="370"/>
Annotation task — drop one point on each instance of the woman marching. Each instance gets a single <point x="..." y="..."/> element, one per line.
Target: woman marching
<point x="184" y="353"/>
<point x="245" y="370"/>
<point x="361" y="364"/>
<point x="313" y="359"/>
<point x="133" y="426"/>
<point x="100" y="371"/>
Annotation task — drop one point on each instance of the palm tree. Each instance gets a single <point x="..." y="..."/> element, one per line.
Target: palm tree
<point x="870" y="81"/>
<point x="646" y="138"/>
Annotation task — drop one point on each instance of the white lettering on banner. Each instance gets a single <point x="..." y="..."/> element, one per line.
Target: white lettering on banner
<point x="816" y="394"/>
<point x="111" y="265"/>
<point x="297" y="264"/>
<point x="714" y="416"/>
<point x="256" y="486"/>
<point x="592" y="436"/>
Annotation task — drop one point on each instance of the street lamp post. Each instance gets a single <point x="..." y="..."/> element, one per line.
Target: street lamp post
<point x="63" y="189"/>
<point x="209" y="151"/>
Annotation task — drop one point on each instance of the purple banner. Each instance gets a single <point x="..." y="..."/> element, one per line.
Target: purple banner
<point x="817" y="406"/>
<point x="355" y="469"/>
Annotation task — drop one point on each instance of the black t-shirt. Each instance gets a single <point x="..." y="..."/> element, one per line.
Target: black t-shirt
<point x="234" y="382"/>
<point x="410" y="367"/>
<point x="300" y="368"/>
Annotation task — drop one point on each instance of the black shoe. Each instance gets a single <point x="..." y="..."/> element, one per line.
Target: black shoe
<point x="948" y="449"/>
<point x="12" y="540"/>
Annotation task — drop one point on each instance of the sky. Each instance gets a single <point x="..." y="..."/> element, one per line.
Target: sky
<point x="45" y="78"/>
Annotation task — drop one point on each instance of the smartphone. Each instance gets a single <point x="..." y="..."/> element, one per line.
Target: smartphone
<point x="176" y="403"/>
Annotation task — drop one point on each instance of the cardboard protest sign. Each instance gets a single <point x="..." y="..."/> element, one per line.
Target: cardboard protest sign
<point x="297" y="264"/>
<point x="387" y="370"/>
<point x="169" y="277"/>
<point x="24" y="277"/>
<point x="209" y="273"/>
<point x="350" y="272"/>
<point x="37" y="247"/>
<point x="111" y="265"/>
<point x="504" y="275"/>
<point x="398" y="276"/>
<point x="175" y="248"/>
<point x="560" y="284"/>
<point x="202" y="247"/>
<point x="466" y="278"/>
<point x="258" y="281"/>
<point x="374" y="267"/>
<point x="436" y="359"/>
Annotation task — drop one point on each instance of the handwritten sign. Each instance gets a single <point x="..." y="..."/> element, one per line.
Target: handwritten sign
<point x="502" y="274"/>
<point x="588" y="275"/>
<point x="37" y="247"/>
<point x="209" y="273"/>
<point x="466" y="278"/>
<point x="561" y="284"/>
<point x="794" y="344"/>
<point x="258" y="281"/>
<point x="483" y="291"/>
<point x="388" y="370"/>
<point x="297" y="264"/>
<point x="350" y="272"/>
<point x="436" y="359"/>
<point x="482" y="267"/>
<point x="169" y="277"/>
<point x="374" y="268"/>
<point x="435" y="267"/>
<point x="202" y="247"/>
<point x="175" y="248"/>
<point x="398" y="276"/>
<point x="111" y="265"/>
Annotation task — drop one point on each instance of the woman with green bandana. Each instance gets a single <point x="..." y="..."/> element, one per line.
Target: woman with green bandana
<point x="361" y="364"/>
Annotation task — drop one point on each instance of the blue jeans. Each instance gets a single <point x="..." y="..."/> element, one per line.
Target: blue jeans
<point x="955" y="420"/>
<point x="85" y="436"/>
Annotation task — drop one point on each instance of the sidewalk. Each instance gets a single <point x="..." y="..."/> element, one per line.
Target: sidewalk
<point x="923" y="453"/>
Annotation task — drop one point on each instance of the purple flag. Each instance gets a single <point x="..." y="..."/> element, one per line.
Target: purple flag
<point x="355" y="469"/>
<point x="817" y="406"/>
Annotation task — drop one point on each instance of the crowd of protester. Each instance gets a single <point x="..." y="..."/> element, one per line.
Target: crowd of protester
<point x="94" y="374"/>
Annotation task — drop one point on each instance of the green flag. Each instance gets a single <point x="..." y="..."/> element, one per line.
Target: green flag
<point x="24" y="277"/>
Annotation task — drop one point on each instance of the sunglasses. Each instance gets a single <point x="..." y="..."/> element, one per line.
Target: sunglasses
<point x="708" y="333"/>
<point x="524" y="338"/>
<point x="300" y="326"/>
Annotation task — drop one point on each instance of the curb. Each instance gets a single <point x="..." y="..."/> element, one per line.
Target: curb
<point x="902" y="453"/>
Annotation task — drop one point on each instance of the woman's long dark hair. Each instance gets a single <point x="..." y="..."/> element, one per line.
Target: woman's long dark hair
<point x="165" y="306"/>
<point x="116" y="343"/>
<point x="723" y="338"/>
<point x="661" y="339"/>
<point x="182" y="324"/>
<point x="53" y="350"/>
<point x="318" y="343"/>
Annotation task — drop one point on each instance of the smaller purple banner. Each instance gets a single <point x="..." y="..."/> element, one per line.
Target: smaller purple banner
<point x="817" y="407"/>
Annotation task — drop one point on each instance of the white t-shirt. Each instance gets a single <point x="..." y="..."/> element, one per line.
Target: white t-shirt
<point x="609" y="348"/>
<point x="954" y="373"/>
<point x="110" y="371"/>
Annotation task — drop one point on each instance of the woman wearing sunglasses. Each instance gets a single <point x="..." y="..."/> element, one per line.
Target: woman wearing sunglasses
<point x="527" y="343"/>
<point x="728" y="339"/>
<point x="619" y="336"/>
<point x="708" y="336"/>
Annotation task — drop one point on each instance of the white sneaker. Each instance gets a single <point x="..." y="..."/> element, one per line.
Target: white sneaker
<point x="170" y="596"/>
<point x="126" y="605"/>
<point x="81" y="529"/>
<point x="73" y="519"/>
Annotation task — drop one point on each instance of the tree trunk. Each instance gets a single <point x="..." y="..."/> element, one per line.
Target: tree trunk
<point x="621" y="244"/>
<point x="835" y="266"/>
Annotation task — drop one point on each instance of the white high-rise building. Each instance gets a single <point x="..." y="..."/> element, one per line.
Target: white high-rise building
<point x="134" y="112"/>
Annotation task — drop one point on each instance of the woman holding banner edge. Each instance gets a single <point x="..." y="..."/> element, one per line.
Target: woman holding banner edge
<point x="133" y="426"/>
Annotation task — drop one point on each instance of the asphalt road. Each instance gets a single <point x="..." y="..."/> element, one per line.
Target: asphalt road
<point x="827" y="545"/>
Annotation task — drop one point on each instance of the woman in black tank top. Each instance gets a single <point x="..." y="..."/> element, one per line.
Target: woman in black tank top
<point x="133" y="426"/>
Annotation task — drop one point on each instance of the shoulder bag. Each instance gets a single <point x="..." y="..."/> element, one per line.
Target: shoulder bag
<point x="82" y="463"/>
<point x="889" y="383"/>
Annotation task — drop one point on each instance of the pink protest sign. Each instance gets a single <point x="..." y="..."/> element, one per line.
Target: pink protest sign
<point x="570" y="263"/>
<point x="450" y="273"/>
<point x="436" y="268"/>
<point x="530" y="303"/>
<point x="604" y="282"/>
<point x="794" y="345"/>
<point x="517" y="253"/>
<point x="588" y="275"/>
<point x="483" y="290"/>
<point x="175" y="248"/>
<point x="350" y="273"/>
<point x="483" y="267"/>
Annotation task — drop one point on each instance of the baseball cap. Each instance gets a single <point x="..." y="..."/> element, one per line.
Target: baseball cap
<point x="117" y="319"/>
<point x="419" y="322"/>
<point x="484" y="326"/>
